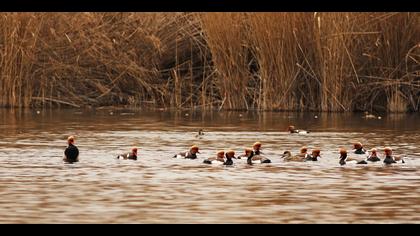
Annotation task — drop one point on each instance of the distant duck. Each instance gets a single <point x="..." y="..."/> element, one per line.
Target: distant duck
<point x="191" y="154"/>
<point x="255" y="159"/>
<point x="292" y="130"/>
<point x="390" y="159"/>
<point x="366" y="115"/>
<point x="287" y="155"/>
<point x="130" y="156"/>
<point x="200" y="133"/>
<point x="358" y="148"/>
<point x="71" y="154"/>
<point x="344" y="158"/>
<point x="373" y="157"/>
<point x="218" y="160"/>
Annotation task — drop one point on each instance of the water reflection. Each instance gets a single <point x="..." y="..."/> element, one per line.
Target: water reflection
<point x="37" y="187"/>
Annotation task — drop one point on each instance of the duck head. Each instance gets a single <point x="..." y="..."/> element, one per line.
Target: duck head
<point x="374" y="152"/>
<point x="343" y="153"/>
<point x="70" y="140"/>
<point x="249" y="152"/>
<point x="291" y="128"/>
<point x="194" y="149"/>
<point x="257" y="146"/>
<point x="303" y="150"/>
<point x="388" y="151"/>
<point x="357" y="145"/>
<point x="286" y="154"/>
<point x="230" y="154"/>
<point x="221" y="154"/>
<point x="134" y="150"/>
<point x="316" y="152"/>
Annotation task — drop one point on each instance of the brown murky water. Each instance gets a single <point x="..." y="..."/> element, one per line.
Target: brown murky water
<point x="37" y="187"/>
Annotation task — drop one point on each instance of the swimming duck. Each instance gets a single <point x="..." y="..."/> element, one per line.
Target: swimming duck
<point x="200" y="133"/>
<point x="366" y="115"/>
<point x="315" y="154"/>
<point x="71" y="154"/>
<point x="131" y="155"/>
<point x="369" y="116"/>
<point x="219" y="159"/>
<point x="287" y="155"/>
<point x="229" y="156"/>
<point x="292" y="130"/>
<point x="389" y="159"/>
<point x="344" y="158"/>
<point x="373" y="157"/>
<point x="358" y="148"/>
<point x="254" y="159"/>
<point x="191" y="154"/>
<point x="256" y="148"/>
<point x="304" y="152"/>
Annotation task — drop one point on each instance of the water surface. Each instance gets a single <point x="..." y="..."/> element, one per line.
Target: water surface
<point x="37" y="187"/>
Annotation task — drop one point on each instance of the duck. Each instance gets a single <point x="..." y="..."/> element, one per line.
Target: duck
<point x="191" y="154"/>
<point x="366" y="115"/>
<point x="71" y="154"/>
<point x="229" y="156"/>
<point x="130" y="156"/>
<point x="315" y="154"/>
<point x="200" y="133"/>
<point x="389" y="158"/>
<point x="358" y="148"/>
<point x="218" y="160"/>
<point x="292" y="130"/>
<point x="344" y="158"/>
<point x="255" y="159"/>
<point x="256" y="149"/>
<point x="287" y="155"/>
<point x="373" y="157"/>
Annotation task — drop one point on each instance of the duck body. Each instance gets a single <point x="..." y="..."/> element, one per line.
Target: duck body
<point x="71" y="154"/>
<point x="186" y="155"/>
<point x="292" y="130"/>
<point x="214" y="161"/>
<point x="218" y="161"/>
<point x="297" y="131"/>
<point x="359" y="151"/>
<point x="344" y="159"/>
<point x="373" y="158"/>
<point x="298" y="158"/>
<point x="311" y="158"/>
<point x="257" y="159"/>
<point x="389" y="160"/>
<point x="128" y="156"/>
<point x="228" y="162"/>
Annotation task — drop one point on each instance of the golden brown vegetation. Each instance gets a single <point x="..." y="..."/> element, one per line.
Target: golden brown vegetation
<point x="264" y="61"/>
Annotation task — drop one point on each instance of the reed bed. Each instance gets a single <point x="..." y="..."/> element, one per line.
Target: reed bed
<point x="234" y="61"/>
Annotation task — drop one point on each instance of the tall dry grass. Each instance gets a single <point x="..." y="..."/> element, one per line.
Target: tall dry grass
<point x="265" y="61"/>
